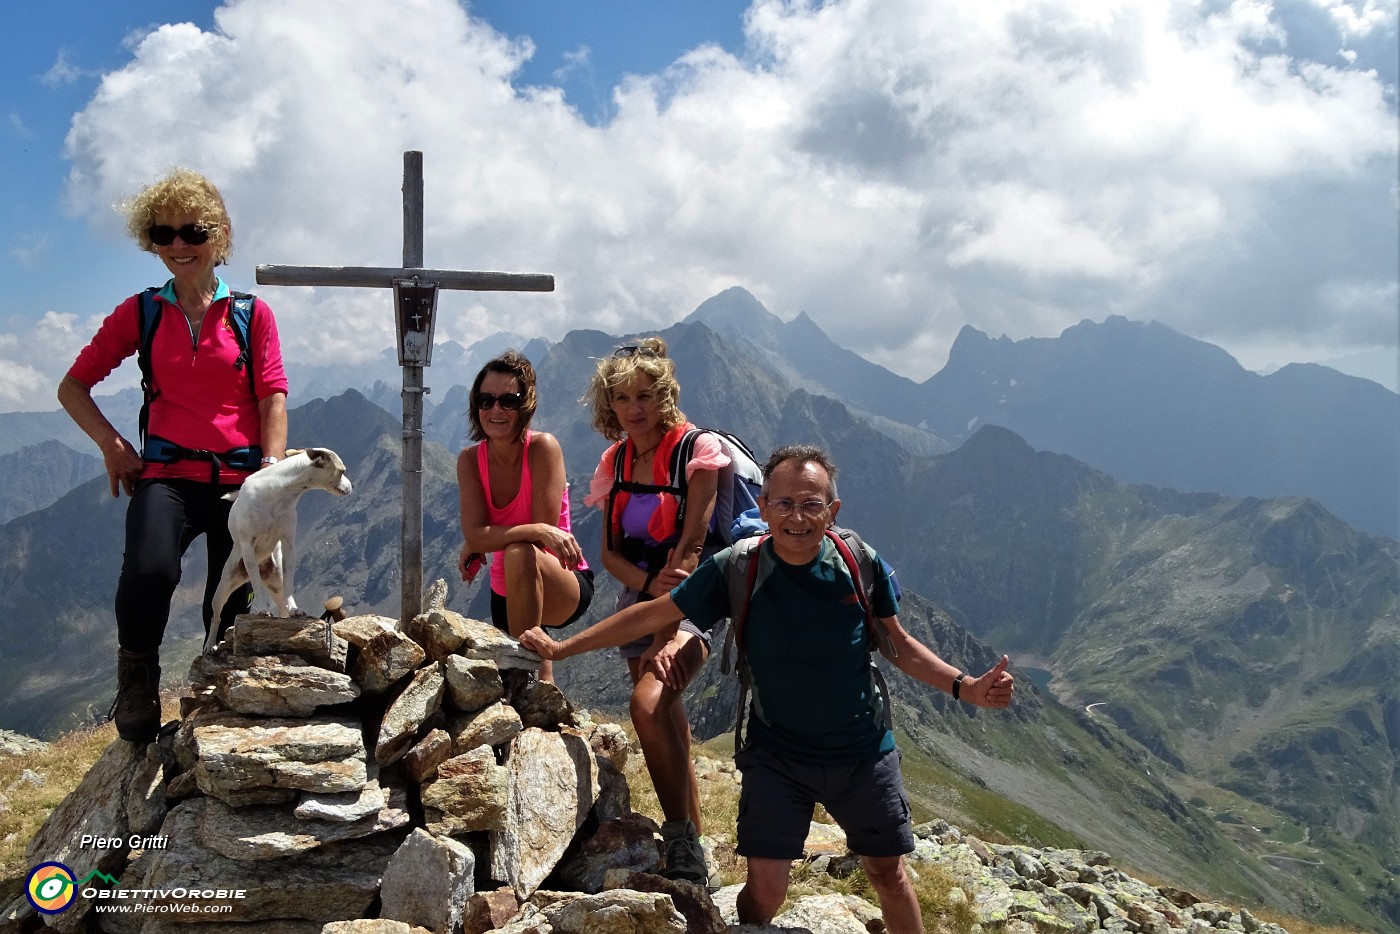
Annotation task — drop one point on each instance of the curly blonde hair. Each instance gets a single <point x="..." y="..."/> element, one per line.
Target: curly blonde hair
<point x="182" y="192"/>
<point x="645" y="358"/>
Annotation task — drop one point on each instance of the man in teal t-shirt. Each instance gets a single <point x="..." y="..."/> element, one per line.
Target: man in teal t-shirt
<point x="816" y="727"/>
<point x="805" y="627"/>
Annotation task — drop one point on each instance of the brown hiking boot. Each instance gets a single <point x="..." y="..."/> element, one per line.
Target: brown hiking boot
<point x="684" y="857"/>
<point x="137" y="706"/>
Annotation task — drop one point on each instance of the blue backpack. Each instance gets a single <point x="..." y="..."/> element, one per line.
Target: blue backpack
<point x="736" y="492"/>
<point x="159" y="450"/>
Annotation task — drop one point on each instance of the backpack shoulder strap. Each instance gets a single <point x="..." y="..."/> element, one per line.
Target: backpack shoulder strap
<point x="861" y="566"/>
<point x="740" y="574"/>
<point x="619" y="450"/>
<point x="241" y="307"/>
<point x="148" y="312"/>
<point x="680" y="456"/>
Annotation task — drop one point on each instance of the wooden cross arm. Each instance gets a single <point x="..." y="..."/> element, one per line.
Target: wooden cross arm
<point x="381" y="277"/>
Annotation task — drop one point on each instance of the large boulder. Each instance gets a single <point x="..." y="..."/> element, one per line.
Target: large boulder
<point x="553" y="784"/>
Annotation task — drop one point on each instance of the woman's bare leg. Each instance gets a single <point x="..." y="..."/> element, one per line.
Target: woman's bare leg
<point x="663" y="732"/>
<point x="539" y="592"/>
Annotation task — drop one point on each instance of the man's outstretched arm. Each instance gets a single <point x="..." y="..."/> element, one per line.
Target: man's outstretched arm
<point x="637" y="620"/>
<point x="991" y="689"/>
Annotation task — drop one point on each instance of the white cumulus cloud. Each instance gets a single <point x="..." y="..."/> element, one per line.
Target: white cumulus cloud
<point x="895" y="169"/>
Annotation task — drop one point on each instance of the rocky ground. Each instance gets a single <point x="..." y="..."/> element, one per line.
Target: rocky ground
<point x="379" y="777"/>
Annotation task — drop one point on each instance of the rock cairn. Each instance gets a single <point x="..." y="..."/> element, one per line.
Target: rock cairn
<point x="417" y="773"/>
<point x="377" y="777"/>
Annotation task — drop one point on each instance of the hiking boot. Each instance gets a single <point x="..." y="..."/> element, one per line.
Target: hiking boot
<point x="137" y="707"/>
<point x="683" y="855"/>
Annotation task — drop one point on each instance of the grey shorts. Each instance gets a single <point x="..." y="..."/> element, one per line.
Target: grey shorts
<point x="637" y="647"/>
<point x="865" y="796"/>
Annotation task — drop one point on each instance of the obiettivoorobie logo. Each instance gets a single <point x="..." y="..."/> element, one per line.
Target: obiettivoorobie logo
<point x="51" y="887"/>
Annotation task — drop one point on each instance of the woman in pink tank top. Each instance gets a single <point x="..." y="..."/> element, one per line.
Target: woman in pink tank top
<point x="514" y="504"/>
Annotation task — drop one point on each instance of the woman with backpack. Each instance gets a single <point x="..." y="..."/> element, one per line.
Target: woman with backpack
<point x="514" y="503"/>
<point x="215" y="411"/>
<point x="634" y="396"/>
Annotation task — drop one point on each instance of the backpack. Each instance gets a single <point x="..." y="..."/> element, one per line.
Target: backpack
<point x="735" y="492"/>
<point x="741" y="575"/>
<point x="241" y="306"/>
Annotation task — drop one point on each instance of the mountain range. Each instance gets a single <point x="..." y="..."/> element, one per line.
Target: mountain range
<point x="1218" y="699"/>
<point x="1136" y="400"/>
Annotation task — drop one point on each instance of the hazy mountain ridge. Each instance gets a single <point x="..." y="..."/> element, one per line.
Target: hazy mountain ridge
<point x="1137" y="400"/>
<point x="33" y="477"/>
<point x="1149" y="405"/>
<point x="1134" y="399"/>
<point x="24" y="429"/>
<point x="801" y="347"/>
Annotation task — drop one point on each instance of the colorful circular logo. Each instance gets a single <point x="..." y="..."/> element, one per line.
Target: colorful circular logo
<point x="50" y="887"/>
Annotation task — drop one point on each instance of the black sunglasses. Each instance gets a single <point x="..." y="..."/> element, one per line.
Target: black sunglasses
<point x="510" y="401"/>
<point x="633" y="350"/>
<point x="164" y="235"/>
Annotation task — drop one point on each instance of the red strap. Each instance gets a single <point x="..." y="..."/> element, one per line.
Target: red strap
<point x="662" y="525"/>
<point x="853" y="568"/>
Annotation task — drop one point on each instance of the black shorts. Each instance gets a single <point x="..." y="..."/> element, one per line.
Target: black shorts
<point x="585" y="597"/>
<point x="865" y="796"/>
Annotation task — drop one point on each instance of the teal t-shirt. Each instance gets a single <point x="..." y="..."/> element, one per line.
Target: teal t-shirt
<point x="813" y="694"/>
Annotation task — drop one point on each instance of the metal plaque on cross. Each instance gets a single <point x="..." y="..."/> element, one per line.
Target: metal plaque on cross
<point x="415" y="303"/>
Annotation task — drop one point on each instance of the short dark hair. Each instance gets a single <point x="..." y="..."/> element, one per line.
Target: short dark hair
<point x="803" y="454"/>
<point x="511" y="363"/>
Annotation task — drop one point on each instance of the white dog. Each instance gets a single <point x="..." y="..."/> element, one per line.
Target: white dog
<point x="263" y="523"/>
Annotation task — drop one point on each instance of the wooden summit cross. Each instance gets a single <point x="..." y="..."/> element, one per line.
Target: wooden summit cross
<point x="415" y="300"/>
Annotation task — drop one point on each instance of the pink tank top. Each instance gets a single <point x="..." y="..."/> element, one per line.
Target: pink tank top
<point x="517" y="511"/>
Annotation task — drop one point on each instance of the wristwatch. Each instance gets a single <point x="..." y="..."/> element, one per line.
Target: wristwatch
<point x="269" y="460"/>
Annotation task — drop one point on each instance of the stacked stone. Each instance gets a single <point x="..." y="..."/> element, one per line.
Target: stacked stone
<point x="419" y="774"/>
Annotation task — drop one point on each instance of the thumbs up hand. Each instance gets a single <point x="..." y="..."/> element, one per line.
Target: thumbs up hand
<point x="993" y="689"/>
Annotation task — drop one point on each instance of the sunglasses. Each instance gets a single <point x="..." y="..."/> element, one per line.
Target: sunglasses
<point x="510" y="401"/>
<point x="634" y="351"/>
<point x="164" y="235"/>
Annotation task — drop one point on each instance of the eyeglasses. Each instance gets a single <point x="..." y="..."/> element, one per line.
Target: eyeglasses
<point x="632" y="350"/>
<point x="510" y="401"/>
<point x="164" y="234"/>
<point x="812" y="508"/>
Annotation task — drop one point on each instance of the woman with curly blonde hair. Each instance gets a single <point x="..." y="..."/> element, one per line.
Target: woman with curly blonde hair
<point x="215" y="412"/>
<point x="635" y="401"/>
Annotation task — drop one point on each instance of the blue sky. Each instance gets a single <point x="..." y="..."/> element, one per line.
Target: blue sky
<point x="896" y="169"/>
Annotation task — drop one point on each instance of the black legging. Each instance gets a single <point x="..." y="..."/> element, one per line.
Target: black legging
<point x="163" y="518"/>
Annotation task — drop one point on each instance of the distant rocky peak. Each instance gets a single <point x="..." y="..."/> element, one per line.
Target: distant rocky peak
<point x="735" y="311"/>
<point x="976" y="348"/>
<point x="994" y="441"/>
